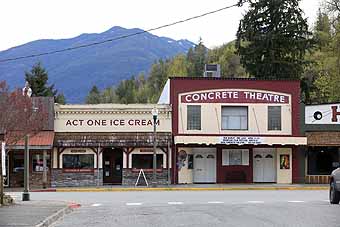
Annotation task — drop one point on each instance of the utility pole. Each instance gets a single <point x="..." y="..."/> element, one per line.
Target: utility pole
<point x="25" y="194"/>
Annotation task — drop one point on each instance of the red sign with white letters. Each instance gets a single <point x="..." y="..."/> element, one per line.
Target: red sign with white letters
<point x="227" y="96"/>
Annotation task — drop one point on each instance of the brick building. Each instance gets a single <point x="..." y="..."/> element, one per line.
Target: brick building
<point x="322" y="129"/>
<point x="40" y="145"/>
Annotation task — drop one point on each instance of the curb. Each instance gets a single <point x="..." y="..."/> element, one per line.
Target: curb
<point x="185" y="189"/>
<point x="56" y="216"/>
<point x="44" y="190"/>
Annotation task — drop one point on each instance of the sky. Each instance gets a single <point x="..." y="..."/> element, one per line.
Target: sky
<point x="25" y="21"/>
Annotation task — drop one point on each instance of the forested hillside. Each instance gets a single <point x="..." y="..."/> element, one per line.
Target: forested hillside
<point x="310" y="54"/>
<point x="147" y="88"/>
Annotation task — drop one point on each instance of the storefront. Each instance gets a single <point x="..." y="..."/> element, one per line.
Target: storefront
<point x="322" y="127"/>
<point x="40" y="148"/>
<point x="40" y="144"/>
<point x="110" y="144"/>
<point x="235" y="130"/>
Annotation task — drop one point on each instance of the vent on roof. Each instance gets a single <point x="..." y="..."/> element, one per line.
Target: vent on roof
<point x="212" y="70"/>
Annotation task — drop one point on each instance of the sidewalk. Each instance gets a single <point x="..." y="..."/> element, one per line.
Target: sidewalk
<point x="185" y="187"/>
<point x="33" y="213"/>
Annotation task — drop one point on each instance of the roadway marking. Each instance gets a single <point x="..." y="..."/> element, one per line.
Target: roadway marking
<point x="296" y="201"/>
<point x="133" y="204"/>
<point x="215" y="202"/>
<point x="255" y="201"/>
<point x="175" y="203"/>
<point x="96" y="204"/>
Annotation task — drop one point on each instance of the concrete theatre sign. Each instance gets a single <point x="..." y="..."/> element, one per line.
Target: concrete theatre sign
<point x="233" y="96"/>
<point x="322" y="114"/>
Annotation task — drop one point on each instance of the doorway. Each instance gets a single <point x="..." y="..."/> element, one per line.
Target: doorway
<point x="264" y="169"/>
<point x="204" y="165"/>
<point x="112" y="166"/>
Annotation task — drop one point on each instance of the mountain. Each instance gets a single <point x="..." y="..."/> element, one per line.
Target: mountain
<point x="75" y="72"/>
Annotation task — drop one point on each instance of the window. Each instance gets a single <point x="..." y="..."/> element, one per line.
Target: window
<point x="232" y="157"/>
<point x="322" y="160"/>
<point x="37" y="162"/>
<point x="235" y="157"/>
<point x="199" y="156"/>
<point x="194" y="117"/>
<point x="234" y="117"/>
<point x="78" y="161"/>
<point x="274" y="117"/>
<point x="18" y="163"/>
<point x="211" y="156"/>
<point x="145" y="161"/>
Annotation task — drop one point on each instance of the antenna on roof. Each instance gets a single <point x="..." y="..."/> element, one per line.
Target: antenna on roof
<point x="212" y="70"/>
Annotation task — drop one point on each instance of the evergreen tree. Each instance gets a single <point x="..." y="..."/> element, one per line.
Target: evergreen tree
<point x="126" y="91"/>
<point x="273" y="38"/>
<point x="178" y="66"/>
<point x="322" y="31"/>
<point x="142" y="93"/>
<point x="333" y="9"/>
<point x="229" y="61"/>
<point x="108" y="96"/>
<point x="60" y="98"/>
<point x="157" y="79"/>
<point x="321" y="80"/>
<point x="196" y="58"/>
<point x="94" y="96"/>
<point x="37" y="78"/>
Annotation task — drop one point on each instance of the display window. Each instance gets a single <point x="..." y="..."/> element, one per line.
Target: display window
<point x="145" y="161"/>
<point x="78" y="161"/>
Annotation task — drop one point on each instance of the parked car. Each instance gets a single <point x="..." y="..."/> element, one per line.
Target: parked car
<point x="334" y="190"/>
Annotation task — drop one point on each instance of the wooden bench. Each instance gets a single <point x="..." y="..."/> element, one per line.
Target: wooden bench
<point x="236" y="177"/>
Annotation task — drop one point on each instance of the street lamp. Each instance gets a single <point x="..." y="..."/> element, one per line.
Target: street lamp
<point x="154" y="115"/>
<point x="25" y="194"/>
<point x="27" y="91"/>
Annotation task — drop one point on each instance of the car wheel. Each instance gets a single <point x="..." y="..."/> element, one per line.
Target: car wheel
<point x="334" y="196"/>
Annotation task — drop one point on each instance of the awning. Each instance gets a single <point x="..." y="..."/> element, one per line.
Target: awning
<point x="39" y="141"/>
<point x="240" y="140"/>
<point x="136" y="139"/>
<point x="323" y="138"/>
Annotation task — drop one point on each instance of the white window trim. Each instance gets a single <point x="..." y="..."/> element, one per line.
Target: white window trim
<point x="280" y="119"/>
<point x="225" y="157"/>
<point x="226" y="129"/>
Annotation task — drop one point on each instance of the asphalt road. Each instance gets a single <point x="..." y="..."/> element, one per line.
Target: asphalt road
<point x="198" y="208"/>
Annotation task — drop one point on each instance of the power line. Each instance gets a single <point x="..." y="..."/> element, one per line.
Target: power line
<point x="116" y="38"/>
